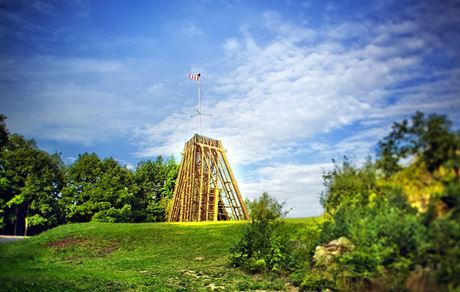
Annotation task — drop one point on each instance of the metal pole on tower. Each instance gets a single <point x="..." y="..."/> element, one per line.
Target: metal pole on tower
<point x="197" y="78"/>
<point x="199" y="105"/>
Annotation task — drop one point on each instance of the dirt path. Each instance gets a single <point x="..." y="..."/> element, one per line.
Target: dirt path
<point x="10" y="238"/>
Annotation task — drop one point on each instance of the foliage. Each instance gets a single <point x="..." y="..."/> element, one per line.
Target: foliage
<point x="348" y="183"/>
<point x="3" y="131"/>
<point x="388" y="238"/>
<point x="99" y="190"/>
<point x="102" y="190"/>
<point x="156" y="181"/>
<point x="264" y="245"/>
<point x="31" y="181"/>
<point x="442" y="250"/>
<point x="429" y="137"/>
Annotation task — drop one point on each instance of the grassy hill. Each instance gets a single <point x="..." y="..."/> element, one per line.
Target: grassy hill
<point x="156" y="256"/>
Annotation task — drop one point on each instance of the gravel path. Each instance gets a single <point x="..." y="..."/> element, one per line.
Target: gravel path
<point x="10" y="238"/>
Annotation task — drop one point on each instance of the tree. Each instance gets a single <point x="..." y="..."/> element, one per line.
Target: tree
<point x="99" y="190"/>
<point x="31" y="183"/>
<point x="3" y="131"/>
<point x="81" y="178"/>
<point x="3" y="182"/>
<point x="429" y="137"/>
<point x="348" y="182"/>
<point x="156" y="181"/>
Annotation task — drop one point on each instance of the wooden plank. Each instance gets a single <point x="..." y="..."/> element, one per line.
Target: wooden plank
<point x="238" y="193"/>
<point x="201" y="183"/>
<point x="220" y="170"/>
<point x="216" y="203"/>
<point x="172" y="215"/>
<point x="209" y="186"/>
<point x="210" y="147"/>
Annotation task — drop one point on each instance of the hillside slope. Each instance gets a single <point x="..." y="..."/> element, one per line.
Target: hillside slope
<point x="158" y="256"/>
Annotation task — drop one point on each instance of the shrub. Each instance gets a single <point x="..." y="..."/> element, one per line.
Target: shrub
<point x="443" y="250"/>
<point x="264" y="245"/>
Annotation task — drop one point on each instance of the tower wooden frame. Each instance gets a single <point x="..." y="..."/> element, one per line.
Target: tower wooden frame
<point x="206" y="189"/>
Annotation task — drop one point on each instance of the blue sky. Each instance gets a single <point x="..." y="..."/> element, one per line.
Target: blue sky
<point x="290" y="84"/>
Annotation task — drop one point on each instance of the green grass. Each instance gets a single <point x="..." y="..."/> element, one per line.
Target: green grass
<point x="148" y="256"/>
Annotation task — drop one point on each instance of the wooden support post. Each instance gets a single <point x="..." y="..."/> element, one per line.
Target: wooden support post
<point x="209" y="187"/>
<point x="216" y="204"/>
<point x="201" y="181"/>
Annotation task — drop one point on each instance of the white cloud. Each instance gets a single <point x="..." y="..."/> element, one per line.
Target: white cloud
<point x="70" y="159"/>
<point x="231" y="46"/>
<point x="125" y="163"/>
<point x="44" y="7"/>
<point x="155" y="88"/>
<point x="285" y="29"/>
<point x="192" y="30"/>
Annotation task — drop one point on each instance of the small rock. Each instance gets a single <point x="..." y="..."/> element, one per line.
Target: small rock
<point x="325" y="254"/>
<point x="199" y="259"/>
<point x="213" y="286"/>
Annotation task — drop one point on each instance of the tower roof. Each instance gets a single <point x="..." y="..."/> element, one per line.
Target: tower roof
<point x="206" y="141"/>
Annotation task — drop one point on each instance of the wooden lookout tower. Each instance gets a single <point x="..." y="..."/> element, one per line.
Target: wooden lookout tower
<point x="206" y="189"/>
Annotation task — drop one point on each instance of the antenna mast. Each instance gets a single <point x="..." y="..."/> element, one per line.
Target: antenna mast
<point x="199" y="113"/>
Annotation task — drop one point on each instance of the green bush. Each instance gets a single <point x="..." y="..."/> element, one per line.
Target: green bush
<point x="264" y="245"/>
<point x="388" y="240"/>
<point x="443" y="250"/>
<point x="316" y="281"/>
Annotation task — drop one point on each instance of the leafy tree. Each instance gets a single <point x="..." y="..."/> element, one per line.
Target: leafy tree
<point x="81" y="178"/>
<point x="429" y="137"/>
<point x="442" y="250"/>
<point x="98" y="190"/>
<point x="3" y="131"/>
<point x="348" y="182"/>
<point x="31" y="183"/>
<point x="156" y="181"/>
<point x="3" y="182"/>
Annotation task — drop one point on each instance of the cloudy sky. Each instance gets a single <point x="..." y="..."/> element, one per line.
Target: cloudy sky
<point x="290" y="84"/>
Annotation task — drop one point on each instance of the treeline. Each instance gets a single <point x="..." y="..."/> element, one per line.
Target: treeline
<point x="389" y="225"/>
<point x="38" y="191"/>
